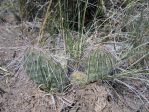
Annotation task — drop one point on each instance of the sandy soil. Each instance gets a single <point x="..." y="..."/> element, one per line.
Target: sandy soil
<point x="19" y="94"/>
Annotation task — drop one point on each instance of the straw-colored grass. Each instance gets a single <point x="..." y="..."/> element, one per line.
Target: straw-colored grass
<point x="115" y="36"/>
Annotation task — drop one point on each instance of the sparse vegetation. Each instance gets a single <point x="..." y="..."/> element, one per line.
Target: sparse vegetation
<point x="88" y="41"/>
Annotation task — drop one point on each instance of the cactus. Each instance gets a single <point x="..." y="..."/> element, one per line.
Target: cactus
<point x="98" y="64"/>
<point x="78" y="78"/>
<point x="44" y="70"/>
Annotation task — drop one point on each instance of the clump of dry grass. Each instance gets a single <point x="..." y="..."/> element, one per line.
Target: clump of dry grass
<point x="116" y="38"/>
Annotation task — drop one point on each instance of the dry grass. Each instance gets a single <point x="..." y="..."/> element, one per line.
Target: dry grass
<point x="116" y="38"/>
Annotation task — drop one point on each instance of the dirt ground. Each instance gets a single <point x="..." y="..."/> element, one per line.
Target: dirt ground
<point x="19" y="94"/>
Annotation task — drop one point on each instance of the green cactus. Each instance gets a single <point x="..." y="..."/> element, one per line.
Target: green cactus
<point x="44" y="70"/>
<point x="98" y="64"/>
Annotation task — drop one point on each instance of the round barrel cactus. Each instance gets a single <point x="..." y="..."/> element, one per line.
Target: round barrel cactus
<point x="78" y="78"/>
<point x="44" y="70"/>
<point x="98" y="63"/>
